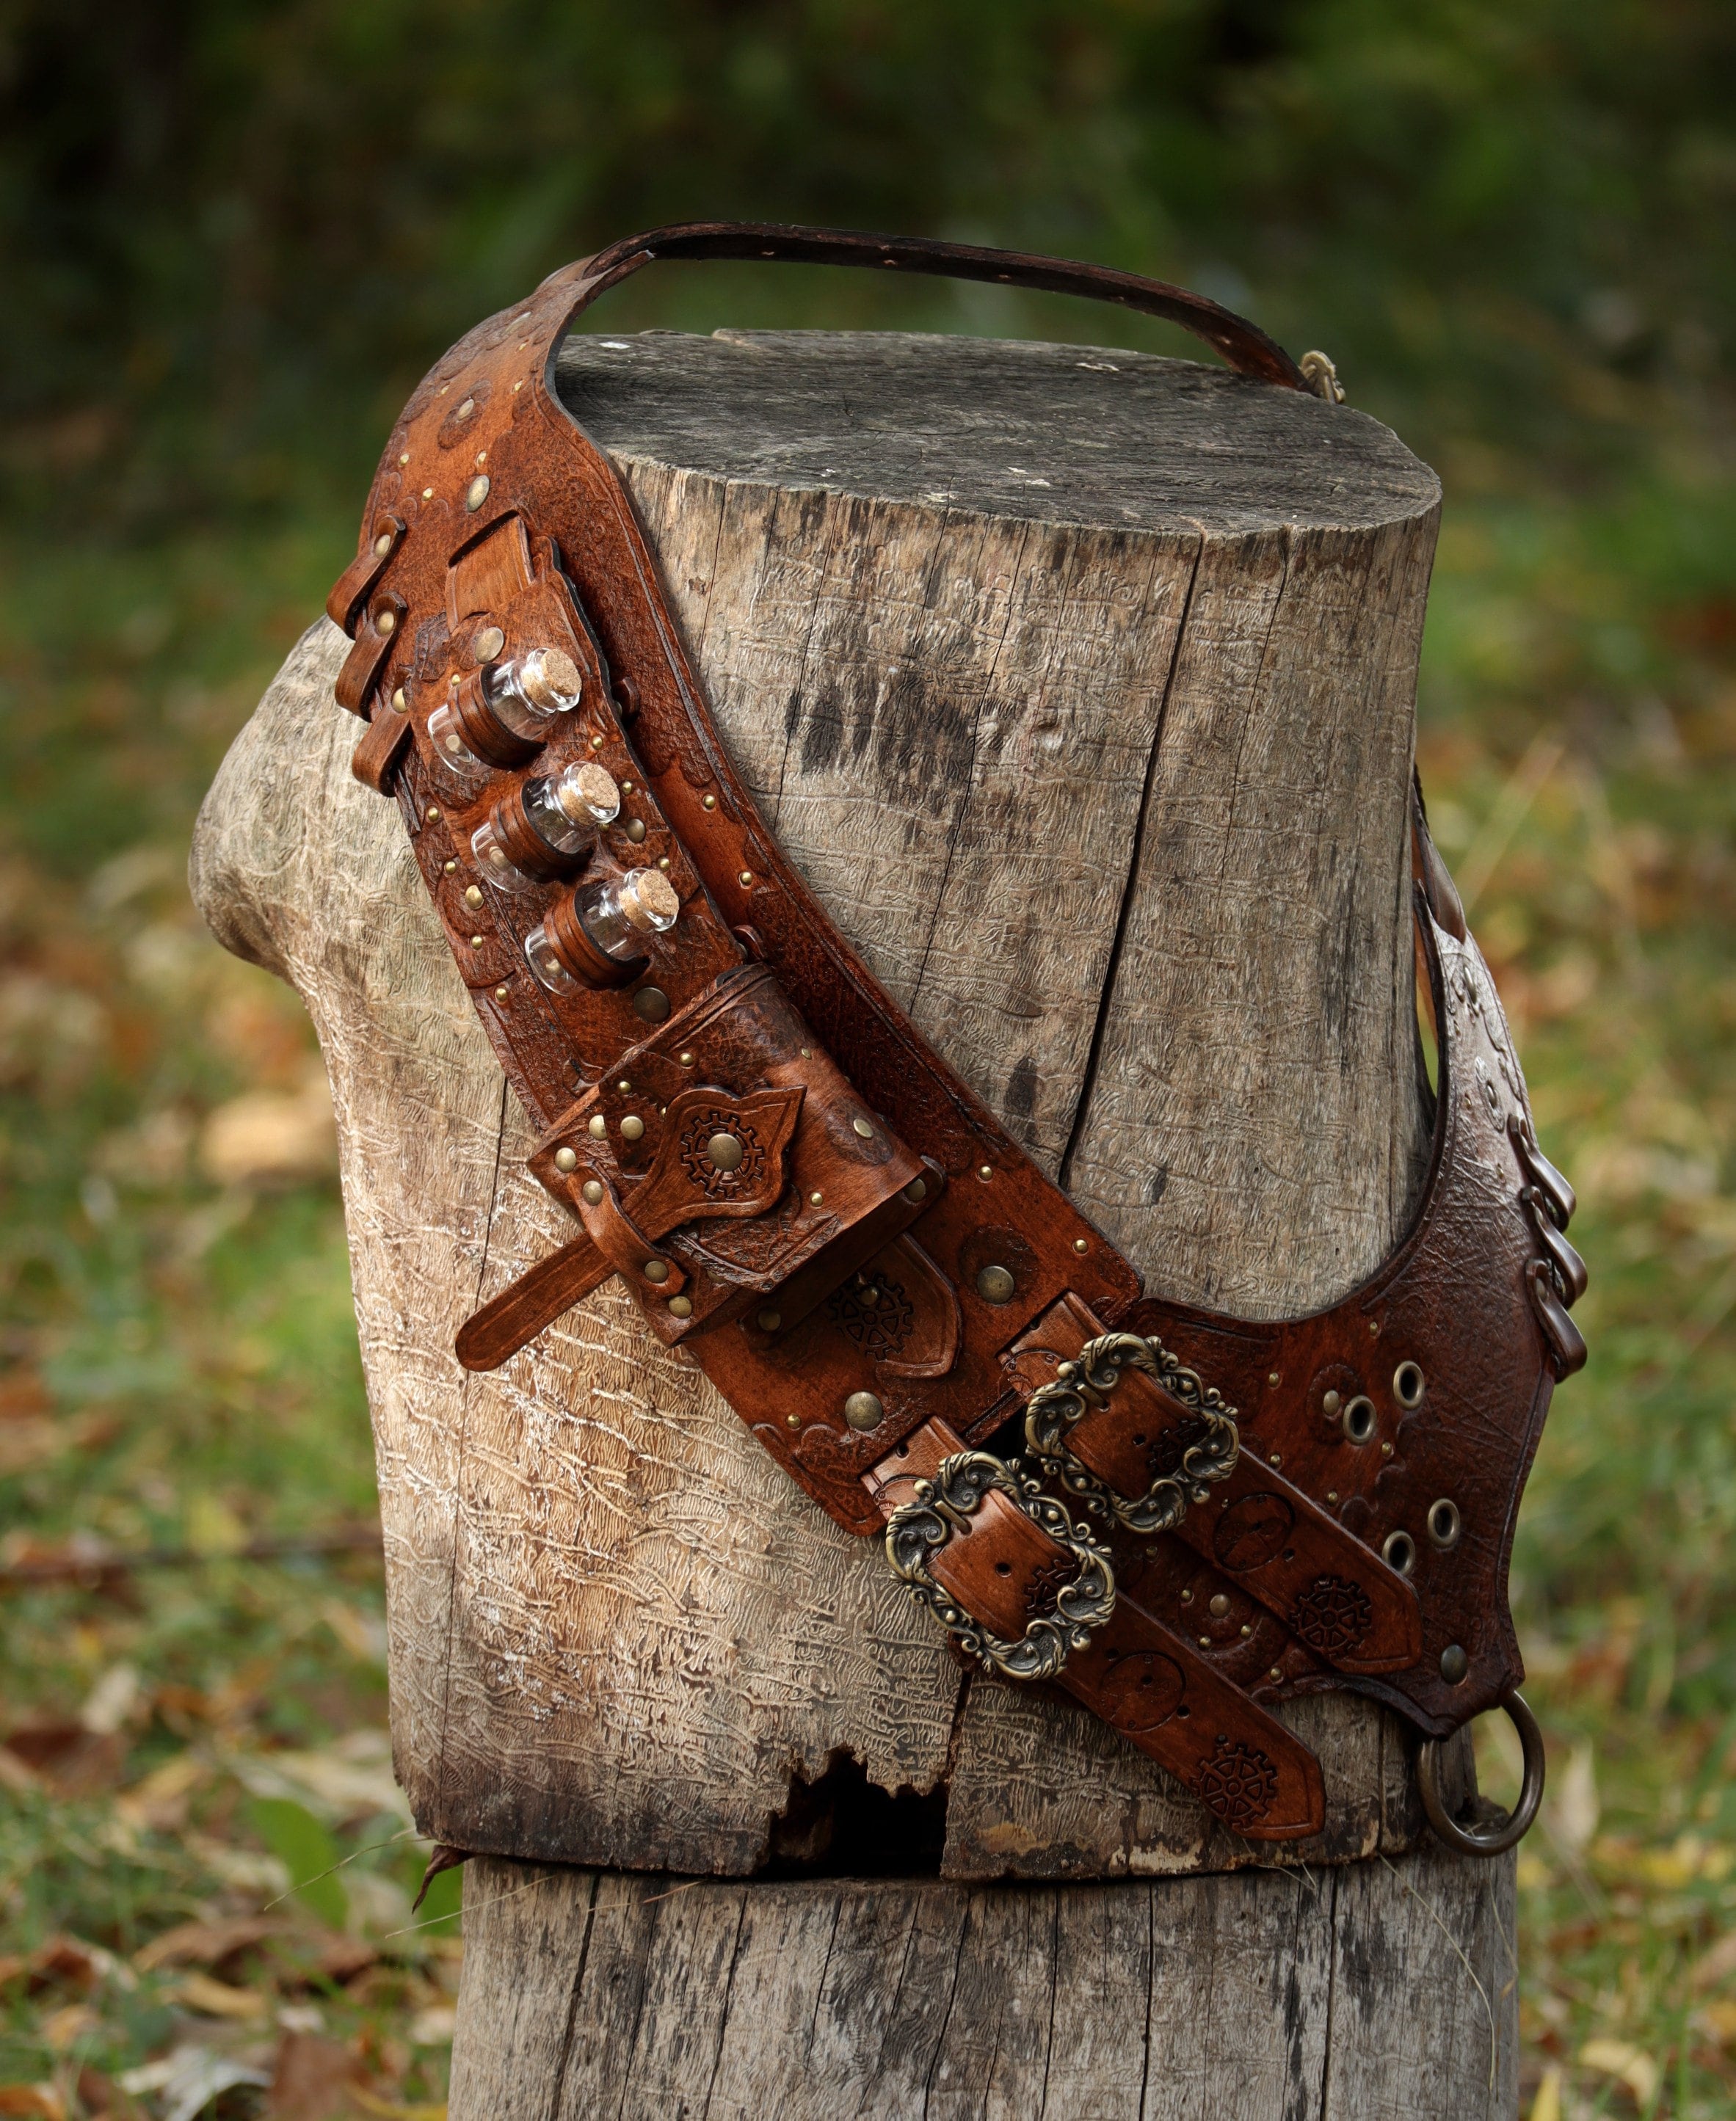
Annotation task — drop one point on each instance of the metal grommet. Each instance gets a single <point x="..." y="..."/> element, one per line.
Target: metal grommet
<point x="1444" y="1524"/>
<point x="1408" y="1386"/>
<point x="1399" y="1552"/>
<point x="1358" y="1419"/>
<point x="1497" y="1835"/>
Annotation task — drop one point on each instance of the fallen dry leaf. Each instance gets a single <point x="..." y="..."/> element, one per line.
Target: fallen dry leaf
<point x="313" y="2078"/>
<point x="1629" y="2065"/>
<point x="267" y="1134"/>
<point x="206" y="1943"/>
<point x="1547" y="2106"/>
<point x="35" y="2102"/>
<point x="66" y="2027"/>
<point x="1717" y="2022"/>
<point x="218" y="1999"/>
<point x="77" y="1762"/>
<point x="1716" y="1965"/>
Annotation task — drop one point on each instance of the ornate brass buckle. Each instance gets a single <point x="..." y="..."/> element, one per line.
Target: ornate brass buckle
<point x="919" y="1528"/>
<point x="1207" y="1447"/>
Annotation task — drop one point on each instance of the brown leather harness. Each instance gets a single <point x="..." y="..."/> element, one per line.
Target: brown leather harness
<point x="1178" y="1517"/>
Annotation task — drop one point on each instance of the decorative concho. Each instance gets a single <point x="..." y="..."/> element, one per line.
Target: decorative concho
<point x="1208" y="1453"/>
<point x="1332" y="1616"/>
<point x="745" y="1176"/>
<point x="916" y="1530"/>
<point x="1238" y="1784"/>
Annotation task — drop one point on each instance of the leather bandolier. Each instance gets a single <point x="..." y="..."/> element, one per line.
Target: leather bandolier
<point x="1178" y="1517"/>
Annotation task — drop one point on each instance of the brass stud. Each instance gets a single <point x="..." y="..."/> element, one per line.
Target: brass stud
<point x="519" y="384"/>
<point x="1219" y="1606"/>
<point x="680" y="1307"/>
<point x="863" y="1127"/>
<point x="635" y="830"/>
<point x="465" y="410"/>
<point x="863" y="1410"/>
<point x="624" y="1086"/>
<point x="685" y="1059"/>
<point x="566" y="1159"/>
<point x="793" y="1421"/>
<point x="476" y="492"/>
<point x="657" y="1271"/>
<point x="591" y="1192"/>
<point x="596" y="1127"/>
<point x="995" y="1285"/>
<point x="487" y="643"/>
<point x="385" y="621"/>
<point x="1081" y="1244"/>
<point x="382" y="544"/>
<point x="745" y="877"/>
<point x="724" y="1151"/>
<point x="502" y="994"/>
<point x="477" y="941"/>
<point x="1454" y="1664"/>
<point x="427" y="493"/>
<point x="651" y="1004"/>
<point x="1275" y="1674"/>
<point x="708" y="802"/>
<point x="1331" y="1494"/>
<point x="403" y="456"/>
<point x="917" y="1190"/>
<point x="806" y="1052"/>
<point x="596" y="743"/>
<point x="769" y="1321"/>
<point x="1246" y="1632"/>
<point x="447" y="867"/>
<point x="399" y="704"/>
<point x="1386" y="1450"/>
<point x="1204" y="1641"/>
<point x="815" y="1198"/>
<point x="472" y="895"/>
<point x="632" y="1127"/>
<point x="1374" y="1329"/>
<point x="1276" y="1458"/>
<point x="432" y="813"/>
<point x="1186" y="1597"/>
<point x="663" y="864"/>
<point x="1274" y="1376"/>
<point x="985" y="1171"/>
<point x="1331" y="1403"/>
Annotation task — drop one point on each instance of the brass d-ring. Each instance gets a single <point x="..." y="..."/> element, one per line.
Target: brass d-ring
<point x="1498" y="1834"/>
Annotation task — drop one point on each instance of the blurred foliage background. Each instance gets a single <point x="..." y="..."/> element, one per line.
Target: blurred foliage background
<point x="233" y="237"/>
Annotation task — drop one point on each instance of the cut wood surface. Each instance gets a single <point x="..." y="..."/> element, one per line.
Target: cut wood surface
<point x="1383" y="1989"/>
<point x="1079" y="685"/>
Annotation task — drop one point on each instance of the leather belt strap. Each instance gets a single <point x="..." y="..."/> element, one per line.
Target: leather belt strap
<point x="914" y="1320"/>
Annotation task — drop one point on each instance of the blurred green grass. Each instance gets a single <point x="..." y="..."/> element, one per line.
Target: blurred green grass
<point x="232" y="242"/>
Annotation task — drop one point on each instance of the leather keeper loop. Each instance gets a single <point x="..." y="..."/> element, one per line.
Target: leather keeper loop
<point x="524" y="846"/>
<point x="484" y="731"/>
<point x="578" y="953"/>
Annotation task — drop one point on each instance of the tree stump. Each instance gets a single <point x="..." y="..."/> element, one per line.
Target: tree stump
<point x="1080" y="684"/>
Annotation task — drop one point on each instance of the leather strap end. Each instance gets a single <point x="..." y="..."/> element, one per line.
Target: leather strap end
<point x="495" y="1333"/>
<point x="376" y="757"/>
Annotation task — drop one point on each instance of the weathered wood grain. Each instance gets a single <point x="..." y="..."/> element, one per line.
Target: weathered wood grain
<point x="1079" y="685"/>
<point x="1381" y="1989"/>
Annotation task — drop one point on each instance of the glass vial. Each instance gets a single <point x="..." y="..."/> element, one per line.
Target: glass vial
<point x="565" y="810"/>
<point x="526" y="691"/>
<point x="620" y="915"/>
<point x="461" y="763"/>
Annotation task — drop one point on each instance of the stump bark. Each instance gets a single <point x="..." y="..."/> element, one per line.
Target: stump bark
<point x="1080" y="686"/>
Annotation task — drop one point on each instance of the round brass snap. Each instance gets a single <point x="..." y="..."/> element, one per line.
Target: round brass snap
<point x="724" y="1151"/>
<point x="863" y="1410"/>
<point x="995" y="1285"/>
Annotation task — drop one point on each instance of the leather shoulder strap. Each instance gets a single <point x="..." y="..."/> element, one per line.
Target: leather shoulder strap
<point x="750" y="1133"/>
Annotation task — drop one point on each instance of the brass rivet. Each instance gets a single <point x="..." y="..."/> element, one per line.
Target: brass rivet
<point x="1186" y="1597"/>
<point x="1454" y="1664"/>
<point x="1219" y="1606"/>
<point x="635" y="830"/>
<point x="657" y="1270"/>
<point x="985" y="1171"/>
<point x="477" y="941"/>
<point x="1274" y="1376"/>
<point x="403" y="456"/>
<point x="427" y="493"/>
<point x="1375" y="1328"/>
<point x="1081" y="1244"/>
<point x="744" y="877"/>
<point x="476" y="492"/>
<point x="685" y="1059"/>
<point x="432" y="813"/>
<point x="596" y="743"/>
<point x="995" y="1285"/>
<point x="663" y="862"/>
<point x="1246" y="1631"/>
<point x="519" y="384"/>
<point x="708" y="803"/>
<point x="768" y="1321"/>
<point x="651" y="1004"/>
<point x="596" y="1127"/>
<point x="1204" y="1641"/>
<point x="1331" y="1404"/>
<point x="806" y="1052"/>
<point x="917" y="1190"/>
<point x="1386" y="1450"/>
<point x="680" y="1307"/>
<point x="863" y="1410"/>
<point x="626" y="788"/>
<point x="487" y="643"/>
<point x="472" y="894"/>
<point x="815" y="1198"/>
<point x="566" y="1159"/>
<point x="1277" y="1459"/>
<point x="624" y="1086"/>
<point x="385" y="621"/>
<point x="793" y="1421"/>
<point x="863" y="1127"/>
<point x="383" y="544"/>
<point x="466" y="409"/>
<point x="400" y="705"/>
<point x="447" y="867"/>
<point x="1331" y="1494"/>
<point x="1276" y="1673"/>
<point x="724" y="1151"/>
<point x="502" y="994"/>
<point x="591" y="1192"/>
<point x="631" y="1127"/>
